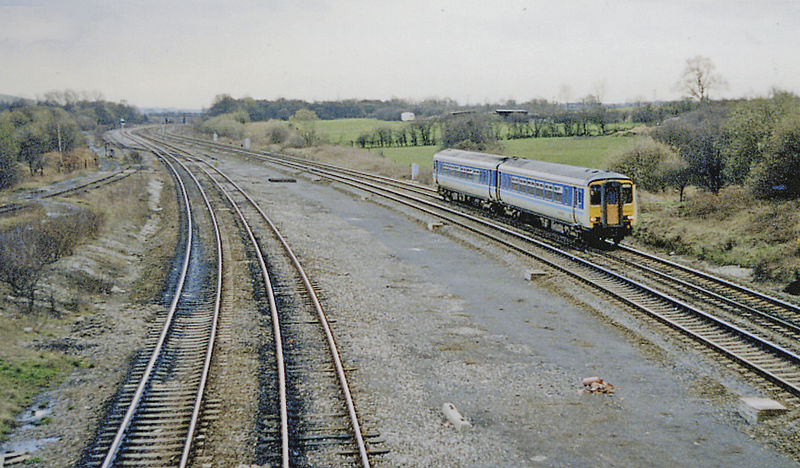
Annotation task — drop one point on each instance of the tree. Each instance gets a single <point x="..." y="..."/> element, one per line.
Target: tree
<point x="471" y="131"/>
<point x="223" y="104"/>
<point x="699" y="77"/>
<point x="699" y="138"/>
<point x="778" y="173"/>
<point x="32" y="144"/>
<point x="749" y="128"/>
<point x="8" y="153"/>
<point x="304" y="115"/>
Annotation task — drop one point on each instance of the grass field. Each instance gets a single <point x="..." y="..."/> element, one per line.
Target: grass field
<point x="344" y="131"/>
<point x="578" y="151"/>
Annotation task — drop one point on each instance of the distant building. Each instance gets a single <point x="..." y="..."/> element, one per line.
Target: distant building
<point x="508" y="114"/>
<point x="407" y="116"/>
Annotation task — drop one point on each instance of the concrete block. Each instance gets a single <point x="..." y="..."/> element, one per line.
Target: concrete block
<point x="435" y="225"/>
<point x="531" y="275"/>
<point x="756" y="410"/>
<point x="454" y="417"/>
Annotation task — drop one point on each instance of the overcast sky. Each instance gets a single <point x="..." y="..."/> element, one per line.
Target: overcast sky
<point x="181" y="53"/>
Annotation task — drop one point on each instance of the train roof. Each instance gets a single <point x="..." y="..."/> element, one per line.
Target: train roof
<point x="531" y="167"/>
<point x="582" y="175"/>
<point x="471" y="157"/>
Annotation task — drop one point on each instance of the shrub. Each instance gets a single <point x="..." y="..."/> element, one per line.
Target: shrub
<point x="777" y="175"/>
<point x="646" y="163"/>
<point x="228" y="125"/>
<point x="277" y="134"/>
<point x="28" y="248"/>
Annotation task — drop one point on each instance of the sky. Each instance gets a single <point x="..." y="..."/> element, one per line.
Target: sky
<point x="182" y="53"/>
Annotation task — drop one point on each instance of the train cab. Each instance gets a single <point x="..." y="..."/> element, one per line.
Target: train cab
<point x="611" y="208"/>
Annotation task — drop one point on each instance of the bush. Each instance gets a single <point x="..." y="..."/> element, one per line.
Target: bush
<point x="777" y="175"/>
<point x="646" y="163"/>
<point x="26" y="249"/>
<point x="277" y="134"/>
<point x="228" y="125"/>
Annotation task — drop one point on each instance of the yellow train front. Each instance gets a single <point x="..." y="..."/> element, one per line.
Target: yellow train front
<point x="588" y="203"/>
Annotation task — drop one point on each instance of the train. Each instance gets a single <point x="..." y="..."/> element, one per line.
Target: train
<point x="583" y="203"/>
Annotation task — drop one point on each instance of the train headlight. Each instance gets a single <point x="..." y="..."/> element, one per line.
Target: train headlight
<point x="594" y="219"/>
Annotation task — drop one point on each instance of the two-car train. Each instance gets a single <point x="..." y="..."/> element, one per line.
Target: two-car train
<point x="590" y="204"/>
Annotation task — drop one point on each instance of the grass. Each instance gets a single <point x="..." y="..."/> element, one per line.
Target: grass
<point x="716" y="229"/>
<point x="344" y="131"/>
<point x="23" y="374"/>
<point x="577" y="151"/>
<point x="422" y="155"/>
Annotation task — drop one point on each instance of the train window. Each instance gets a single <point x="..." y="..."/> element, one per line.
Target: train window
<point x="627" y="193"/>
<point x="558" y="194"/>
<point x="539" y="189"/>
<point x="579" y="198"/>
<point x="548" y="192"/>
<point x="595" y="195"/>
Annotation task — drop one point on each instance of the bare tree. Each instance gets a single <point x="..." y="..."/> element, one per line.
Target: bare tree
<point x="699" y="77"/>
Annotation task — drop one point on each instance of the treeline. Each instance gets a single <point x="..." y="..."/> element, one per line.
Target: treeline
<point x="543" y="116"/>
<point x="283" y="109"/>
<point x="29" y="129"/>
<point x="754" y="143"/>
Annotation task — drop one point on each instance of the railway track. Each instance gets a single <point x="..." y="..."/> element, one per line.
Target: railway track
<point x="154" y="417"/>
<point x="307" y="416"/>
<point x="83" y="187"/>
<point x="749" y="327"/>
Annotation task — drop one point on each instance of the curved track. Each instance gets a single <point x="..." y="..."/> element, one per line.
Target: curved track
<point x="154" y="418"/>
<point x="313" y="425"/>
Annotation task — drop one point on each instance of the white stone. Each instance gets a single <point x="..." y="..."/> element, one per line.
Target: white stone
<point x="454" y="417"/>
<point x="531" y="275"/>
<point x="756" y="410"/>
<point x="435" y="225"/>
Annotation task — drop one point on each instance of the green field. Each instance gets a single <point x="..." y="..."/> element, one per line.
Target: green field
<point x="344" y="131"/>
<point x="578" y="151"/>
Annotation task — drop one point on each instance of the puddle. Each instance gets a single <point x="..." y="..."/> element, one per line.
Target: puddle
<point x="35" y="413"/>
<point x="29" y="445"/>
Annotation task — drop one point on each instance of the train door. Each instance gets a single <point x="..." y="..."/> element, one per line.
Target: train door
<point x="612" y="206"/>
